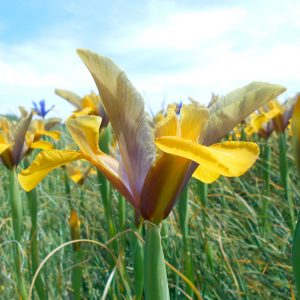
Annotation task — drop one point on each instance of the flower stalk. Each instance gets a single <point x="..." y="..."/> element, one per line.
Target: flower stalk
<point x="155" y="273"/>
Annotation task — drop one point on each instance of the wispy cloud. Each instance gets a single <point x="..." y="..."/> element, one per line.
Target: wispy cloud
<point x="170" y="50"/>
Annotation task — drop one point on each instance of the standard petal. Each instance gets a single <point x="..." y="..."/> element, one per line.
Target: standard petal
<point x="19" y="135"/>
<point x="230" y="110"/>
<point x="169" y="126"/>
<point x="228" y="159"/>
<point x="44" y="163"/>
<point x="71" y="97"/>
<point x="125" y="109"/>
<point x="205" y="175"/>
<point x="193" y="121"/>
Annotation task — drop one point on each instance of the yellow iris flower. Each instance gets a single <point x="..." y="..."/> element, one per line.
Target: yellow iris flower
<point x="16" y="141"/>
<point x="151" y="180"/>
<point x="78" y="173"/>
<point x="88" y="105"/>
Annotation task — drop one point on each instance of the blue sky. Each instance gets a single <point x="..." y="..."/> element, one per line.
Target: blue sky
<point x="170" y="50"/>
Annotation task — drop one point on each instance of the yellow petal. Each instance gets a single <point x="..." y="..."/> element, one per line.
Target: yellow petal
<point x="82" y="112"/>
<point x="193" y="121"/>
<point x="295" y="123"/>
<point x="44" y="163"/>
<point x="53" y="134"/>
<point x="125" y="109"/>
<point x="230" y="110"/>
<point x="205" y="175"/>
<point x="44" y="145"/>
<point x="70" y="97"/>
<point x="3" y="147"/>
<point x="169" y="126"/>
<point x="228" y="159"/>
<point x="85" y="133"/>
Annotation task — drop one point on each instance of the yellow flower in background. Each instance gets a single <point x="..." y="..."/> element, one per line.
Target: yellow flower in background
<point x="17" y="139"/>
<point x="38" y="129"/>
<point x="88" y="105"/>
<point x="12" y="140"/>
<point x="189" y="144"/>
<point x="79" y="173"/>
<point x="295" y="124"/>
<point x="258" y="119"/>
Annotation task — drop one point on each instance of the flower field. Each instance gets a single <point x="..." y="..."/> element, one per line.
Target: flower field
<point x="195" y="202"/>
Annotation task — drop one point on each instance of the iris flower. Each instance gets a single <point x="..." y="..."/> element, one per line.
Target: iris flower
<point x="88" y="105"/>
<point x="78" y="173"/>
<point x="16" y="141"/>
<point x="40" y="108"/>
<point x="188" y="144"/>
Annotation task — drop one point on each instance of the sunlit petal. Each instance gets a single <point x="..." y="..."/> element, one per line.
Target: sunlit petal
<point x="230" y="110"/>
<point x="228" y="159"/>
<point x="85" y="133"/>
<point x="44" y="163"/>
<point x="193" y="121"/>
<point x="71" y="97"/>
<point x="205" y="175"/>
<point x="53" y="134"/>
<point x="44" y="145"/>
<point x="169" y="126"/>
<point x="125" y="109"/>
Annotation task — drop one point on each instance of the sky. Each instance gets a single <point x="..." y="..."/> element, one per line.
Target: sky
<point x="170" y="50"/>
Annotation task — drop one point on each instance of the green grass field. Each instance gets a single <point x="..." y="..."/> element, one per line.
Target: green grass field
<point x="232" y="256"/>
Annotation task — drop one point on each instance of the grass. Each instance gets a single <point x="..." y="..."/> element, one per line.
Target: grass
<point x="233" y="256"/>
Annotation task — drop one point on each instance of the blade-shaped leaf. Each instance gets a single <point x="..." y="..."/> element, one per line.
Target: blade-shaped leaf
<point x="229" y="111"/>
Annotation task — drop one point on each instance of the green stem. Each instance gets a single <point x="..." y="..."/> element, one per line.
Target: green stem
<point x="155" y="273"/>
<point x="285" y="179"/>
<point x="138" y="265"/>
<point x="296" y="256"/>
<point x="266" y="175"/>
<point x="34" y="244"/>
<point x="183" y="205"/>
<point x="16" y="214"/>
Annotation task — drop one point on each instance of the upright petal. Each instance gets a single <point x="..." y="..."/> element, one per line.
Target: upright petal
<point x="193" y="121"/>
<point x="44" y="163"/>
<point x="228" y="159"/>
<point x="125" y="109"/>
<point x="169" y="126"/>
<point x="71" y="97"/>
<point x="19" y="135"/>
<point x="230" y="110"/>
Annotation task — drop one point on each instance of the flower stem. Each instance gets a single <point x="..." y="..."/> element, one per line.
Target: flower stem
<point x="16" y="214"/>
<point x="155" y="273"/>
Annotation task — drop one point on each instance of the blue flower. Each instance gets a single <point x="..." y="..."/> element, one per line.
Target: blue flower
<point x="40" y="108"/>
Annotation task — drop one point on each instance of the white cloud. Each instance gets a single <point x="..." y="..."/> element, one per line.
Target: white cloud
<point x="171" y="53"/>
